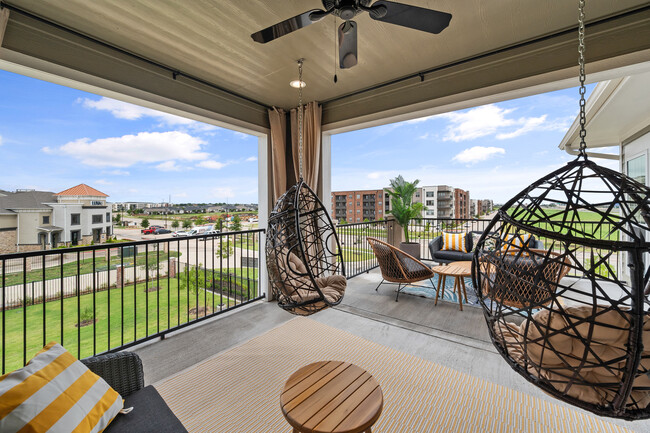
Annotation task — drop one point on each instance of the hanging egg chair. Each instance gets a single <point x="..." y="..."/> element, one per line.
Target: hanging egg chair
<point x="573" y="318"/>
<point x="304" y="257"/>
<point x="303" y="253"/>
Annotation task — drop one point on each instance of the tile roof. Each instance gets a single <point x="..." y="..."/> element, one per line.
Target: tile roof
<point x="82" y="189"/>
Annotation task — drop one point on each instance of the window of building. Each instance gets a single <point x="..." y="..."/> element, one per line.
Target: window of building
<point x="358" y="203"/>
<point x="350" y="211"/>
<point x="379" y="203"/>
<point x="75" y="219"/>
<point x="358" y="195"/>
<point x="108" y="217"/>
<point x="379" y="210"/>
<point x="417" y="194"/>
<point x="636" y="168"/>
<point x="98" y="219"/>
<point x="46" y="219"/>
<point x="350" y="196"/>
<point x="430" y="193"/>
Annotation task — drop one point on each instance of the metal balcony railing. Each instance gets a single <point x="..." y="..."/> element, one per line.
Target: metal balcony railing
<point x="108" y="297"/>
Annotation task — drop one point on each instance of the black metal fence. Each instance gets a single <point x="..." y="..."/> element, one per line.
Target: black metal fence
<point x="359" y="257"/>
<point x="108" y="297"/>
<point x="357" y="253"/>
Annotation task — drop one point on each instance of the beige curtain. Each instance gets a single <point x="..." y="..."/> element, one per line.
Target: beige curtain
<point x="277" y="119"/>
<point x="311" y="142"/>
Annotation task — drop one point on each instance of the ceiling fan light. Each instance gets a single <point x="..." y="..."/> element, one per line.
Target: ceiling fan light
<point x="297" y="84"/>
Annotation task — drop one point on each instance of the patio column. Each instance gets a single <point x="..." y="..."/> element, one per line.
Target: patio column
<point x="265" y="204"/>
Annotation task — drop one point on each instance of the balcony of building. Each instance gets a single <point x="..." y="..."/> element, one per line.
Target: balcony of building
<point x="187" y="305"/>
<point x="183" y="303"/>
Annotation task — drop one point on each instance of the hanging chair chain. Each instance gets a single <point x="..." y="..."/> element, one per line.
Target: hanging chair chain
<point x="300" y="117"/>
<point x="581" y="62"/>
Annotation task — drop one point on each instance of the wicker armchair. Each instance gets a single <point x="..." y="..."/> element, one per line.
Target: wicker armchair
<point x="124" y="373"/>
<point x="527" y="281"/>
<point x="398" y="267"/>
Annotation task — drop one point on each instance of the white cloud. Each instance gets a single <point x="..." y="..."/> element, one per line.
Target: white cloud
<point x="103" y="182"/>
<point x="374" y="175"/>
<point x="168" y="166"/>
<point x="478" y="153"/>
<point x="124" y="110"/>
<point x="223" y="192"/>
<point x="117" y="172"/>
<point x="241" y="135"/>
<point x="128" y="150"/>
<point x="211" y="164"/>
<point x="180" y="195"/>
<point x="530" y="124"/>
<point x="251" y="159"/>
<point x="494" y="120"/>
<point x="424" y="136"/>
<point x="0" y="140"/>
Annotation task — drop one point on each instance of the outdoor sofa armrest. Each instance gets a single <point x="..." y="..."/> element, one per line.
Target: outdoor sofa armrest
<point x="435" y="245"/>
<point x="122" y="371"/>
<point x="537" y="245"/>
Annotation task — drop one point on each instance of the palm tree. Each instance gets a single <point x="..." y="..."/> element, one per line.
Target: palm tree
<point x="403" y="208"/>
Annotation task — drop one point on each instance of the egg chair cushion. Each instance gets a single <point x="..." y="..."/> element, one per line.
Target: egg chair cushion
<point x="551" y="346"/>
<point x="333" y="287"/>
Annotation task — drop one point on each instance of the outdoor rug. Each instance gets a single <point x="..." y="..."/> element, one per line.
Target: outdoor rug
<point x="424" y="289"/>
<point x="239" y="390"/>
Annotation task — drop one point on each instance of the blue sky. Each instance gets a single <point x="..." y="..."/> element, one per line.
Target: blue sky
<point x="53" y="137"/>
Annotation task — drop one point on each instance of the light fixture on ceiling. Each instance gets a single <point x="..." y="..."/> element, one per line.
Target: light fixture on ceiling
<point x="297" y="84"/>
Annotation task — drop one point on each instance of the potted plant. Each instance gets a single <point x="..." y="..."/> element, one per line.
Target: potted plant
<point x="404" y="210"/>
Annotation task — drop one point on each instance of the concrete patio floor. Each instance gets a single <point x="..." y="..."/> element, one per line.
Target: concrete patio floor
<point x="440" y="334"/>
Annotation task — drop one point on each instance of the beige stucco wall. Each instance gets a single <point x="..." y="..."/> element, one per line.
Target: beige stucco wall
<point x="27" y="226"/>
<point x="8" y="221"/>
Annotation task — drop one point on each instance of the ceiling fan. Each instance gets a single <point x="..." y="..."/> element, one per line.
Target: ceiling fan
<point x="414" y="17"/>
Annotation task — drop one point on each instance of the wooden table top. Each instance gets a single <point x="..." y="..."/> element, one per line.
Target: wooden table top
<point x="331" y="396"/>
<point x="454" y="269"/>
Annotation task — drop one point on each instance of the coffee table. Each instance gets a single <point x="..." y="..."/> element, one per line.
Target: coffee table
<point x="331" y="396"/>
<point x="458" y="270"/>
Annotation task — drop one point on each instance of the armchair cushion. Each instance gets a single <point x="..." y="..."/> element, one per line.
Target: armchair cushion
<point x="56" y="392"/>
<point x="454" y="242"/>
<point x="150" y="414"/>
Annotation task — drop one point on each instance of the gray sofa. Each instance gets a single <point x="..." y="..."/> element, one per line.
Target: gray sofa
<point x="444" y="257"/>
<point x="123" y="372"/>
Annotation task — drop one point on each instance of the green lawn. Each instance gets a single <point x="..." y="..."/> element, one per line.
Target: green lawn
<point x="583" y="224"/>
<point x="357" y="254"/>
<point x="134" y="314"/>
<point x="85" y="267"/>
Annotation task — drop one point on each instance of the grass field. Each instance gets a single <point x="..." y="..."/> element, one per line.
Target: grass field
<point x="134" y="314"/>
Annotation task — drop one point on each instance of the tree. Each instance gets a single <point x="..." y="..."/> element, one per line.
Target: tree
<point x="236" y="223"/>
<point x="175" y="224"/>
<point x="199" y="221"/>
<point x="145" y="223"/>
<point x="220" y="224"/>
<point x="117" y="218"/>
<point x="404" y="210"/>
<point x="343" y="222"/>
<point x="192" y="279"/>
<point x="187" y="223"/>
<point x="225" y="249"/>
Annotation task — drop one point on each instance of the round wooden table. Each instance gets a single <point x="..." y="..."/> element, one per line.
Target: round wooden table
<point x="331" y="396"/>
<point x="458" y="270"/>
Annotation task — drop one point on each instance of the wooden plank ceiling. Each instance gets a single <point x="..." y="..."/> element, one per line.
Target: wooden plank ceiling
<point x="210" y="39"/>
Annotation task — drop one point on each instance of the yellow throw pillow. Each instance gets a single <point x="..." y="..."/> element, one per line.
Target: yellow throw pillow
<point x="55" y="392"/>
<point x="454" y="242"/>
<point x="512" y="243"/>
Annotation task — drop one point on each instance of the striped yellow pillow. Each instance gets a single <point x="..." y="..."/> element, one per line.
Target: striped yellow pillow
<point x="55" y="392"/>
<point x="454" y="242"/>
<point x="512" y="243"/>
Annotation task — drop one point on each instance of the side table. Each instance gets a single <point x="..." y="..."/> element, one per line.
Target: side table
<point x="331" y="396"/>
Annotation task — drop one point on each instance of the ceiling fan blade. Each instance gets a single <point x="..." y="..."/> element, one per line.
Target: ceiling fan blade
<point x="287" y="26"/>
<point x="414" y="17"/>
<point x="347" y="44"/>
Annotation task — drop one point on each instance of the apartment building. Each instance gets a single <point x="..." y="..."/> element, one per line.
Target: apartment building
<point x="480" y="207"/>
<point x="443" y="201"/>
<point x="36" y="220"/>
<point x="357" y="206"/>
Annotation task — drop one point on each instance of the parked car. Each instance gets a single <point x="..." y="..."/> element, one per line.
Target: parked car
<point x="180" y="234"/>
<point x="210" y="232"/>
<point x="161" y="231"/>
<point x="148" y="229"/>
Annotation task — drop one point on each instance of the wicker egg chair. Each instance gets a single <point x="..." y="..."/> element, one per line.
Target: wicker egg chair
<point x="574" y="319"/>
<point x="304" y="256"/>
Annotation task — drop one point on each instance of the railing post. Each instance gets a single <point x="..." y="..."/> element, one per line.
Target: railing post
<point x="394" y="232"/>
